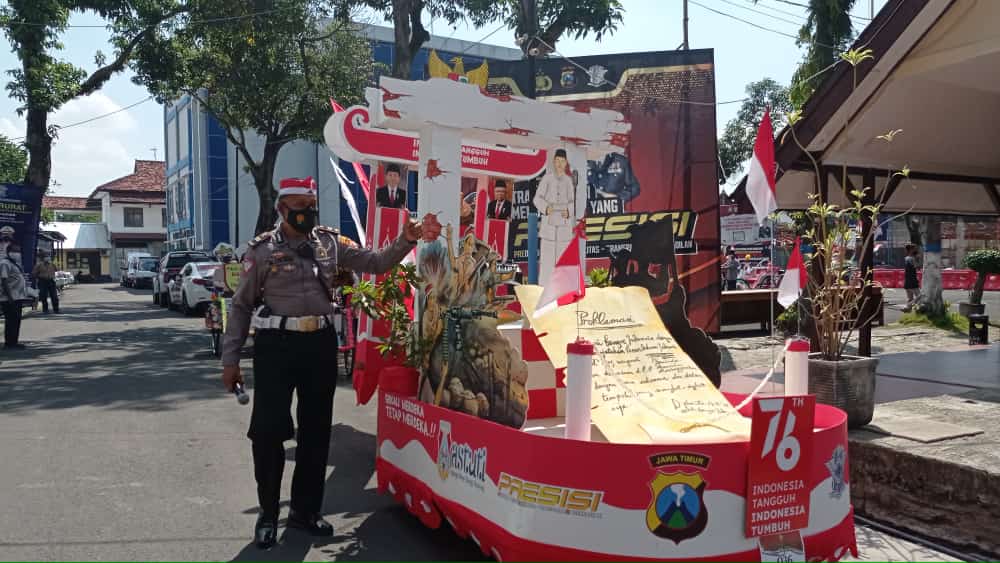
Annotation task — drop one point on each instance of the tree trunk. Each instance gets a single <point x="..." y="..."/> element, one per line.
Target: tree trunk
<point x="39" y="144"/>
<point x="931" y="291"/>
<point x="410" y="35"/>
<point x="976" y="295"/>
<point x="263" y="178"/>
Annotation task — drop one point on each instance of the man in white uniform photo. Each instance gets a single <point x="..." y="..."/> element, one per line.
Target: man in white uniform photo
<point x="554" y="200"/>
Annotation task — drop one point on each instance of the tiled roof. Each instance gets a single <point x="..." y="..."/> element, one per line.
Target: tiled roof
<point x="57" y="202"/>
<point x="148" y="176"/>
<point x="130" y="197"/>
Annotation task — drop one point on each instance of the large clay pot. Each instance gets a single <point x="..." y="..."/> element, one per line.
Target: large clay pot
<point x="966" y="309"/>
<point x="848" y="384"/>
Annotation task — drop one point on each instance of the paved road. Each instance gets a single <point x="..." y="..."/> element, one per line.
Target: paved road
<point x="118" y="444"/>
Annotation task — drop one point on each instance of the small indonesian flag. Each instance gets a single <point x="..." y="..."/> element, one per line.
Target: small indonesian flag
<point x="794" y="279"/>
<point x="566" y="282"/>
<point x="760" y="179"/>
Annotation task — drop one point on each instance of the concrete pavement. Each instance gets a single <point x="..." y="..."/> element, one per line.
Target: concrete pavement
<point x="119" y="444"/>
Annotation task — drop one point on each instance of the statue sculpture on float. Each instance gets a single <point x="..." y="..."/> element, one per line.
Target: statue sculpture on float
<point x="457" y="129"/>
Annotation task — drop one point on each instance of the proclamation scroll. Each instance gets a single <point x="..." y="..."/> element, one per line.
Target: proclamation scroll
<point x="645" y="388"/>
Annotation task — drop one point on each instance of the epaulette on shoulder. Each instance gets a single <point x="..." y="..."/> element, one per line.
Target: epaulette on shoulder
<point x="345" y="241"/>
<point x="263" y="237"/>
<point x="330" y="230"/>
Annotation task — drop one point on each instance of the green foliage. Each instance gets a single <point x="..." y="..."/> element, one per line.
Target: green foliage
<point x="788" y="320"/>
<point x="272" y="74"/>
<point x="827" y="31"/>
<point x="948" y="321"/>
<point x="48" y="216"/>
<point x="13" y="162"/>
<point x="599" y="277"/>
<point x="44" y="83"/>
<point x="736" y="143"/>
<point x="385" y="300"/>
<point x="984" y="261"/>
<point x="556" y="18"/>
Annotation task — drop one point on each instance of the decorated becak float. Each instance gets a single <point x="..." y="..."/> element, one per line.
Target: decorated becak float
<point x="555" y="422"/>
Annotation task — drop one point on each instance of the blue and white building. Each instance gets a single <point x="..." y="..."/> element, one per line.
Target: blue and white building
<point x="210" y="196"/>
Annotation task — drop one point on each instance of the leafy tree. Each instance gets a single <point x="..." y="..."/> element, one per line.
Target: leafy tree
<point x="410" y="34"/>
<point x="44" y="83"/>
<point x="736" y="143"/>
<point x="13" y="162"/>
<point x="552" y="18"/>
<point x="270" y="73"/>
<point x="827" y="32"/>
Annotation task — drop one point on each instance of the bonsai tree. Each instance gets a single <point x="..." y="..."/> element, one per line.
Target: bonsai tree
<point x="985" y="262"/>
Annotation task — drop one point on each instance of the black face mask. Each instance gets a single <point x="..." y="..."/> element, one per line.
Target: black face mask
<point x="302" y="220"/>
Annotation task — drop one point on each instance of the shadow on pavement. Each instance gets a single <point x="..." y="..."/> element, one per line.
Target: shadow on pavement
<point x="389" y="529"/>
<point x="146" y="369"/>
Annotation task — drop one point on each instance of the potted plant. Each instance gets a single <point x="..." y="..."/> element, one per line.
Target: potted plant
<point x="386" y="301"/>
<point x="984" y="262"/>
<point x="837" y="299"/>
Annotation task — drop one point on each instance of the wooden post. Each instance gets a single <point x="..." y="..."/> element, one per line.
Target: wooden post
<point x="866" y="262"/>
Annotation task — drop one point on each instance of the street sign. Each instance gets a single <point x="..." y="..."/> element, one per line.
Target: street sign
<point x="778" y="471"/>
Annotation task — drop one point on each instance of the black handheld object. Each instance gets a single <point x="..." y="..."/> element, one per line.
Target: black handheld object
<point x="241" y="394"/>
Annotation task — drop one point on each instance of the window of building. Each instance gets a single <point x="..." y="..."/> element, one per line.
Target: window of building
<point x="183" y="143"/>
<point x="133" y="216"/>
<point x="163" y="216"/>
<point x="171" y="134"/>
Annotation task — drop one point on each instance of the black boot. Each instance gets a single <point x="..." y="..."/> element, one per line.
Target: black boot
<point x="312" y="523"/>
<point x="265" y="532"/>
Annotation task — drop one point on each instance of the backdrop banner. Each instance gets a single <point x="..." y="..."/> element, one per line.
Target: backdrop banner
<point x="20" y="210"/>
<point x="670" y="166"/>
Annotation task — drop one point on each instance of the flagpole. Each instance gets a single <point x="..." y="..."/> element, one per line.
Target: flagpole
<point x="771" y="295"/>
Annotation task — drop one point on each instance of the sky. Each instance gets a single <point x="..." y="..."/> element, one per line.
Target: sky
<point x="91" y="154"/>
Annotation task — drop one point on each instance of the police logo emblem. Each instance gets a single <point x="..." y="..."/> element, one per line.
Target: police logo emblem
<point x="568" y="78"/>
<point x="835" y="465"/>
<point x="677" y="510"/>
<point x="596" y="74"/>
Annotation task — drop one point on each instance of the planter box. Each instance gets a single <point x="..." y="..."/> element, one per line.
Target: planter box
<point x="966" y="309"/>
<point x="848" y="385"/>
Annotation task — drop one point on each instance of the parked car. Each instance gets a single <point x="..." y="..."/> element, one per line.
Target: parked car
<point x="190" y="290"/>
<point x="170" y="265"/>
<point x="140" y="271"/>
<point x="64" y="279"/>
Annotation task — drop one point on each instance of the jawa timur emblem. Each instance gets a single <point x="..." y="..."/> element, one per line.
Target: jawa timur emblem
<point x="677" y="509"/>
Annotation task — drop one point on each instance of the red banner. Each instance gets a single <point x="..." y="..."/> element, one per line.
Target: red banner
<point x="778" y="467"/>
<point x="497" y="231"/>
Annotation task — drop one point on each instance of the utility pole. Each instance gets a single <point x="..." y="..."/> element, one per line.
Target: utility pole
<point x="686" y="46"/>
<point x="154" y="152"/>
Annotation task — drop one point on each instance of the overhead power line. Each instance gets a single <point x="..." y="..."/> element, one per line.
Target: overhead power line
<point x="765" y="14"/>
<point x="96" y="117"/>
<point x="806" y="6"/>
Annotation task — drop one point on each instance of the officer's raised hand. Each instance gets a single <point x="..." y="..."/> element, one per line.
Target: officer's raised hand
<point x="413" y="230"/>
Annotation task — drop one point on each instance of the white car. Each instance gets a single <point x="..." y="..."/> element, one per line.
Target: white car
<point x="63" y="279"/>
<point x="190" y="290"/>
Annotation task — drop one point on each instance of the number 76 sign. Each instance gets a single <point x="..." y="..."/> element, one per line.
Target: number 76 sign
<point x="779" y="461"/>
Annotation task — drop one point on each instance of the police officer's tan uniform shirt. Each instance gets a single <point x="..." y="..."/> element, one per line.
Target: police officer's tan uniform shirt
<point x="276" y="275"/>
<point x="13" y="281"/>
<point x="44" y="271"/>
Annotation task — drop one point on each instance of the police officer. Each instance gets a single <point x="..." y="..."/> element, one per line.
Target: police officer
<point x="285" y="294"/>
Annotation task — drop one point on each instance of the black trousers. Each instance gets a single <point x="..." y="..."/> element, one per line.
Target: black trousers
<point x="11" y="322"/>
<point x="47" y="290"/>
<point x="307" y="364"/>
